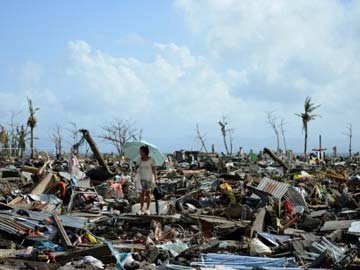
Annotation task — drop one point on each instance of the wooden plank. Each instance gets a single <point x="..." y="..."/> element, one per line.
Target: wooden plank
<point x="64" y="237"/>
<point x="16" y="200"/>
<point x="258" y="225"/>
<point x="30" y="169"/>
<point x="9" y="253"/>
<point x="43" y="168"/>
<point x="333" y="225"/>
<point x="101" y="252"/>
<point x="43" y="184"/>
<point x="221" y="221"/>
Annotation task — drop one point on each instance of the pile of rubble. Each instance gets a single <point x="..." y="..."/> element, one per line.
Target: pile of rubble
<point x="244" y="212"/>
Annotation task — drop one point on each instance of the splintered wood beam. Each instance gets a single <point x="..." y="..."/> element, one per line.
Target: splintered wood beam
<point x="43" y="184"/>
<point x="64" y="237"/>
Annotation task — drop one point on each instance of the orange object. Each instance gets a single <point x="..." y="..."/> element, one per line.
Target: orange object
<point x="34" y="232"/>
<point x="59" y="189"/>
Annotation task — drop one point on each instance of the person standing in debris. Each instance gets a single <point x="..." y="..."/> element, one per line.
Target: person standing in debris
<point x="147" y="174"/>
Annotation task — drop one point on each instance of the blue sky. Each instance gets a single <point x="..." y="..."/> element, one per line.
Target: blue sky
<point x="171" y="64"/>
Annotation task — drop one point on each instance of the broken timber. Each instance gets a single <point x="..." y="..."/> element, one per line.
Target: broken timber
<point x="64" y="237"/>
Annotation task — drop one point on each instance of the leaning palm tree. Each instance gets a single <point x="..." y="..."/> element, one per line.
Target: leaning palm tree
<point x="306" y="117"/>
<point x="31" y="123"/>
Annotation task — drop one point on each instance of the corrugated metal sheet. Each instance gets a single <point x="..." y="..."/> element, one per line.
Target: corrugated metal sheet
<point x="295" y="198"/>
<point x="275" y="188"/>
<point x="68" y="221"/>
<point x="244" y="262"/>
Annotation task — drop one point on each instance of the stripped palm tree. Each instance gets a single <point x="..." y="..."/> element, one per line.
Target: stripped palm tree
<point x="31" y="123"/>
<point x="306" y="117"/>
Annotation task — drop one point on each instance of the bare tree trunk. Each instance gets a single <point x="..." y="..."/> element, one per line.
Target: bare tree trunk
<point x="224" y="133"/>
<point x="57" y="137"/>
<point x="94" y="149"/>
<point x="305" y="141"/>
<point x="60" y="149"/>
<point x="272" y="121"/>
<point x="276" y="158"/>
<point x="32" y="124"/>
<point x="201" y="139"/>
<point x="283" y="134"/>
<point x="32" y="142"/>
<point x="22" y="134"/>
<point x="277" y="140"/>
<point x="21" y="154"/>
<point x="225" y="144"/>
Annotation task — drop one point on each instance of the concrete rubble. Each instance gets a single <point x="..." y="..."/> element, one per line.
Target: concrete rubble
<point x="266" y="211"/>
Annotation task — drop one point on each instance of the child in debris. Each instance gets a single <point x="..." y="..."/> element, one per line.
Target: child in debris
<point x="116" y="187"/>
<point x="147" y="172"/>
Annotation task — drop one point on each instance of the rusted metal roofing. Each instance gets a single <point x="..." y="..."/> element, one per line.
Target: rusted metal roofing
<point x="275" y="188"/>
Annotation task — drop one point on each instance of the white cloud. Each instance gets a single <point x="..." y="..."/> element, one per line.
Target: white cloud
<point x="257" y="56"/>
<point x="288" y="49"/>
<point x="176" y="89"/>
<point x="281" y="40"/>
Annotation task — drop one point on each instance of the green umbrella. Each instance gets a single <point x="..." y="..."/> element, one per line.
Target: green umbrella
<point x="132" y="151"/>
